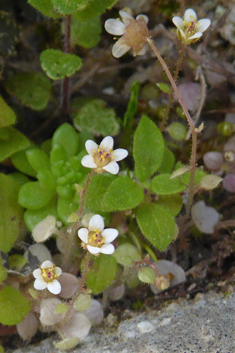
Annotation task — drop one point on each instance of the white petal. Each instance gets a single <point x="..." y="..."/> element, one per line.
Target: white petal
<point x="109" y="234"/>
<point x="107" y="143"/>
<point x="96" y="222"/>
<point x="37" y="273"/>
<point x="83" y="235"/>
<point x="119" y="154"/>
<point x="107" y="249"/>
<point x="40" y="251"/>
<point x="39" y="285"/>
<point x="58" y="271"/>
<point x="44" y="229"/>
<point x="91" y="146"/>
<point x="182" y="33"/>
<point x="203" y="24"/>
<point x="124" y="14"/>
<point x="190" y="16"/>
<point x="196" y="35"/>
<point x="143" y="51"/>
<point x="47" y="264"/>
<point x="178" y="22"/>
<point x="119" y="49"/>
<point x="114" y="27"/>
<point x="54" y="287"/>
<point x="88" y="162"/>
<point x="145" y="18"/>
<point x="93" y="250"/>
<point x="112" y="168"/>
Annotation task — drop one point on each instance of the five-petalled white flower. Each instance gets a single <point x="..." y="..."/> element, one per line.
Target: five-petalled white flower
<point x="96" y="239"/>
<point x="46" y="277"/>
<point x="189" y="29"/>
<point x="103" y="158"/>
<point x="134" y="33"/>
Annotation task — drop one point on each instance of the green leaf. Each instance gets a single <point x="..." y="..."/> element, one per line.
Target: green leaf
<point x="17" y="261"/>
<point x="173" y="203"/>
<point x="122" y="194"/>
<point x="146" y="275"/>
<point x="34" y="195"/>
<point x="9" y="34"/>
<point x="14" y="142"/>
<point x="11" y="212"/>
<point x="96" y="190"/>
<point x="177" y="131"/>
<point x="46" y="7"/>
<point x="64" y="134"/>
<point x="101" y="273"/>
<point x="86" y="34"/>
<point x="66" y="206"/>
<point x="126" y="254"/>
<point x="94" y="117"/>
<point x="7" y="116"/>
<point x="20" y="178"/>
<point x="32" y="89"/>
<point x="3" y="272"/>
<point x="199" y="174"/>
<point x="58" y="158"/>
<point x="58" y="65"/>
<point x="163" y="185"/>
<point x="67" y="7"/>
<point x="93" y="9"/>
<point x="38" y="159"/>
<point x="132" y="104"/>
<point x="157" y="224"/>
<point x="21" y="163"/>
<point x="148" y="149"/>
<point x="13" y="306"/>
<point x="168" y="161"/>
<point x="164" y="87"/>
<point x="47" y="179"/>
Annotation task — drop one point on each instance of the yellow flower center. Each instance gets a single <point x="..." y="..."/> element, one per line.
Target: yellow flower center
<point x="95" y="238"/>
<point x="102" y="158"/>
<point x="189" y="28"/>
<point x="49" y="274"/>
<point x="229" y="156"/>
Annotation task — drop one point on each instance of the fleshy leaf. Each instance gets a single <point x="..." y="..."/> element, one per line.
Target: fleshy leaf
<point x="86" y="34"/>
<point x="101" y="273"/>
<point x="148" y="149"/>
<point x="146" y="275"/>
<point x="126" y="254"/>
<point x="122" y="194"/>
<point x="7" y="116"/>
<point x="34" y="195"/>
<point x="38" y="159"/>
<point x="94" y="117"/>
<point x="46" y="7"/>
<point x="11" y="212"/>
<point x="66" y="7"/>
<point x="177" y="131"/>
<point x="157" y="224"/>
<point x="21" y="163"/>
<point x="58" y="65"/>
<point x="93" y="9"/>
<point x="32" y="89"/>
<point x="162" y="184"/>
<point x="66" y="206"/>
<point x="64" y="134"/>
<point x="13" y="306"/>
<point x="15" y="141"/>
<point x="33" y="217"/>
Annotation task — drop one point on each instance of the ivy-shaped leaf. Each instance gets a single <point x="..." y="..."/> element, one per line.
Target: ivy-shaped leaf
<point x="58" y="65"/>
<point x="46" y="7"/>
<point x="93" y="9"/>
<point x="67" y="7"/>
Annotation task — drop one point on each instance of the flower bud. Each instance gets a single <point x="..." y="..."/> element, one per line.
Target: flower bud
<point x="213" y="160"/>
<point x="162" y="282"/>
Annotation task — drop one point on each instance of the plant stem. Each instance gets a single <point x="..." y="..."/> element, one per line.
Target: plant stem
<point x="191" y="125"/>
<point x="65" y="85"/>
<point x="168" y="108"/>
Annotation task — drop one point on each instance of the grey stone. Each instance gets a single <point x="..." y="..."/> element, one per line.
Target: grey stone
<point x="205" y="324"/>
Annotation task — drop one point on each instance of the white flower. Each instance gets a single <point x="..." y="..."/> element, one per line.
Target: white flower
<point x="46" y="277"/>
<point x="134" y="33"/>
<point x="103" y="158"/>
<point x="96" y="239"/>
<point x="189" y="29"/>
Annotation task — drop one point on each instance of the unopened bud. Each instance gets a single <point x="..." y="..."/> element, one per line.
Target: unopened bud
<point x="162" y="282"/>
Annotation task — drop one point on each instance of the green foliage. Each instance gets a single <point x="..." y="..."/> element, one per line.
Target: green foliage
<point x="66" y="7"/>
<point x="20" y="161"/>
<point x="46" y="7"/>
<point x="157" y="224"/>
<point x="96" y="190"/>
<point x="146" y="275"/>
<point x="94" y="117"/>
<point x="126" y="254"/>
<point x="199" y="174"/>
<point x="32" y="89"/>
<point x="13" y="306"/>
<point x="93" y="9"/>
<point x="172" y="202"/>
<point x="168" y="162"/>
<point x="177" y="131"/>
<point x="3" y="272"/>
<point x="58" y="65"/>
<point x="148" y="149"/>
<point x="11" y="141"/>
<point x="163" y="184"/>
<point x="9" y="34"/>
<point x="7" y="116"/>
<point x="101" y="273"/>
<point x="225" y="128"/>
<point x="11" y="212"/>
<point x="164" y="87"/>
<point x="132" y="104"/>
<point x="34" y="195"/>
<point x="86" y="34"/>
<point x="62" y="135"/>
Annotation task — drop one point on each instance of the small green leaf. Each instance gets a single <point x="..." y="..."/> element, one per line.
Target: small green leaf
<point x="96" y="190"/>
<point x="168" y="161"/>
<point x="122" y="194"/>
<point x="58" y="65"/>
<point x="66" y="206"/>
<point x="13" y="306"/>
<point x="162" y="184"/>
<point x="101" y="273"/>
<point x="148" y="149"/>
<point x="64" y="134"/>
<point x="199" y="174"/>
<point x="164" y="87"/>
<point x="177" y="131"/>
<point x="21" y="163"/>
<point x="32" y="89"/>
<point x="83" y="302"/>
<point x="94" y="117"/>
<point x="3" y="272"/>
<point x="93" y="9"/>
<point x="86" y="34"/>
<point x="20" y="178"/>
<point x="67" y="7"/>
<point x="61" y="308"/>
<point x="46" y="179"/>
<point x="34" y="195"/>
<point x="146" y="275"/>
<point x="173" y="203"/>
<point x="46" y="7"/>
<point x="210" y="182"/>
<point x="14" y="142"/>
<point x="58" y="158"/>
<point x="7" y="116"/>
<point x="38" y="159"/>
<point x="132" y="104"/>
<point x="126" y="254"/>
<point x="157" y="224"/>
<point x="11" y="212"/>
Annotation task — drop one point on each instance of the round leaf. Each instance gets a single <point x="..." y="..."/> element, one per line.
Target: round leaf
<point x="14" y="142"/>
<point x="96" y="190"/>
<point x="162" y="184"/>
<point x="34" y="195"/>
<point x="126" y="254"/>
<point x="38" y="159"/>
<point x="146" y="275"/>
<point x="86" y="34"/>
<point x="66" y="7"/>
<point x="64" y="134"/>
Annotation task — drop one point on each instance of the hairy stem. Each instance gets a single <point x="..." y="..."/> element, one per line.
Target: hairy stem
<point x="65" y="85"/>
